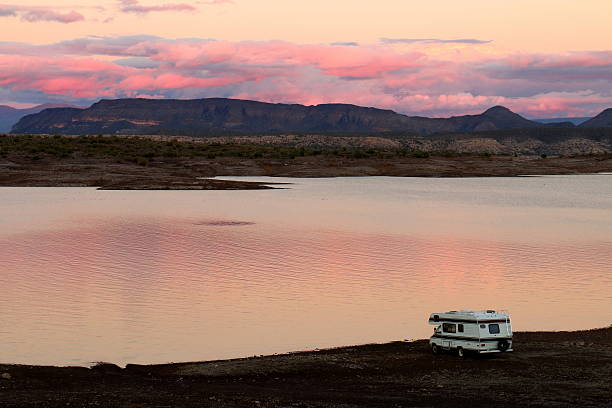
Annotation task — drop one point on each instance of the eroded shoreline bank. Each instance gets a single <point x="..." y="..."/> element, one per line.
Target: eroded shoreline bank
<point x="546" y="369"/>
<point x="197" y="173"/>
<point x="174" y="163"/>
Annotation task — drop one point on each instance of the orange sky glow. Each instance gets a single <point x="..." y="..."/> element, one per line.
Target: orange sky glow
<point x="545" y="58"/>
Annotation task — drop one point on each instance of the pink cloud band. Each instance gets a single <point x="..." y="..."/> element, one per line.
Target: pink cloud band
<point x="135" y="6"/>
<point x="55" y="13"/>
<point x="40" y="13"/>
<point x="412" y="81"/>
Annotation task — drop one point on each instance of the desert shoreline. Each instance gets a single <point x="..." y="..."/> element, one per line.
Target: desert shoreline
<point x="175" y="163"/>
<point x="199" y="173"/>
<point x="546" y="369"/>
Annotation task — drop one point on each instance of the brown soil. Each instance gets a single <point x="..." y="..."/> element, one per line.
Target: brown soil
<point x="110" y="175"/>
<point x="176" y="174"/>
<point x="552" y="369"/>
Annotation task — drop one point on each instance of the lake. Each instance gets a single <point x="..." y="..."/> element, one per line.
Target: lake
<point x="169" y="276"/>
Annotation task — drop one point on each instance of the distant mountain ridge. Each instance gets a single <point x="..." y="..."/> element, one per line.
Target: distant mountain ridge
<point x="495" y="118"/>
<point x="574" y="120"/>
<point x="171" y="116"/>
<point x="9" y="116"/>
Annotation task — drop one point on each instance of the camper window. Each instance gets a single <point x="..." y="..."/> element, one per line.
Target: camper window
<point x="449" y="328"/>
<point x="460" y="328"/>
<point x="494" y="328"/>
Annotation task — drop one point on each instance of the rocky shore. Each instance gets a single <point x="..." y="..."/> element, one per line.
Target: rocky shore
<point x="194" y="173"/>
<point x="181" y="163"/>
<point x="547" y="369"/>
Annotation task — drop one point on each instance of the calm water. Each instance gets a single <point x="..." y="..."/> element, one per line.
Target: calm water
<point x="148" y="277"/>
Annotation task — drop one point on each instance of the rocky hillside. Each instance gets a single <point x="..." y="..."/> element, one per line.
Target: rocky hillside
<point x="529" y="142"/>
<point x="147" y="116"/>
<point x="495" y="118"/>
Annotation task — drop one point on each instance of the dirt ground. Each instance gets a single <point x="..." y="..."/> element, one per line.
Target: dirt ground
<point x="547" y="369"/>
<point x="191" y="173"/>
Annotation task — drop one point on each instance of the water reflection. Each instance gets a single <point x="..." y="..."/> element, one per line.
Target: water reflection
<point x="152" y="287"/>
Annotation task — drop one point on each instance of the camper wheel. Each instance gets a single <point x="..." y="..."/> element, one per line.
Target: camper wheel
<point x="435" y="349"/>
<point x="460" y="352"/>
<point x="503" y="345"/>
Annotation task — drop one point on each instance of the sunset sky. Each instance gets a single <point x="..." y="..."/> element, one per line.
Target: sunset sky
<point x="540" y="58"/>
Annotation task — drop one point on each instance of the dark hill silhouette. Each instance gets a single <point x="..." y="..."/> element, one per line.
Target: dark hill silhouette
<point x="604" y="119"/>
<point x="497" y="117"/>
<point x="9" y="116"/>
<point x="141" y="116"/>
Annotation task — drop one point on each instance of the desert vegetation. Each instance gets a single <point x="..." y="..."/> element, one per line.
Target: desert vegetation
<point x="141" y="150"/>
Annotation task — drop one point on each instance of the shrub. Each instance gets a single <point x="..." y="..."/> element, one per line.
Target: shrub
<point x="358" y="154"/>
<point x="142" y="161"/>
<point x="421" y="155"/>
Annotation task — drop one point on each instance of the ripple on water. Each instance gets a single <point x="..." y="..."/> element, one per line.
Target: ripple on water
<point x="130" y="288"/>
<point x="224" y="223"/>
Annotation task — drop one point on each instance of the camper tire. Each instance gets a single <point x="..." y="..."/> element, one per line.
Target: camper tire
<point x="435" y="350"/>
<point x="503" y="345"/>
<point x="461" y="352"/>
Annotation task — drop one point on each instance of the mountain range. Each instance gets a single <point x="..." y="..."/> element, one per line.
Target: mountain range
<point x="575" y="120"/>
<point x="9" y="116"/>
<point x="168" y="116"/>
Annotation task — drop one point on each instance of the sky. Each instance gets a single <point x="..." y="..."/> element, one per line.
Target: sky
<point x="540" y="58"/>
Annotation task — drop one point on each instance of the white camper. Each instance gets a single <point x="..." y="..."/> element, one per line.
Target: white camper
<point x="464" y="331"/>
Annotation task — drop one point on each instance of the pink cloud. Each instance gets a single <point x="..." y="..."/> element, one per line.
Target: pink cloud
<point x="214" y="2"/>
<point x="170" y="81"/>
<point x="575" y="59"/>
<point x="134" y="6"/>
<point x="40" y="13"/>
<point x="340" y="61"/>
<point x="60" y="76"/>
<point x="561" y="103"/>
<point x="380" y="75"/>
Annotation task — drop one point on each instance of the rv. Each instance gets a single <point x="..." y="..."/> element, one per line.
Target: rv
<point x="465" y="331"/>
